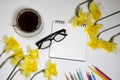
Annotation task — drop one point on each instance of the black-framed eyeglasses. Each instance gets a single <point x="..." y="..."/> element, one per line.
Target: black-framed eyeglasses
<point x="47" y="41"/>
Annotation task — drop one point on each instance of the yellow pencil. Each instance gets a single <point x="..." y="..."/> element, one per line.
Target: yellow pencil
<point x="97" y="73"/>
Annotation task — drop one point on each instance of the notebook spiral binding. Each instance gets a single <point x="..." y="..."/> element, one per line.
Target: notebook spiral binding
<point x="59" y="22"/>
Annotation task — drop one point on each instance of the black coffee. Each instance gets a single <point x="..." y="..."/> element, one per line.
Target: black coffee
<point x="28" y="21"/>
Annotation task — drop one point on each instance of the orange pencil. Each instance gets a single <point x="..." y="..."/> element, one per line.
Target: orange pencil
<point x="67" y="78"/>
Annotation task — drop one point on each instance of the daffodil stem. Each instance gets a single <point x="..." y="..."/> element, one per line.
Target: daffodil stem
<point x="77" y="8"/>
<point x="5" y="61"/>
<point x="84" y="2"/>
<point x="107" y="16"/>
<point x="15" y="73"/>
<point x="13" y="69"/>
<point x="112" y="38"/>
<point x="108" y="29"/>
<point x="2" y="52"/>
<point x="37" y="73"/>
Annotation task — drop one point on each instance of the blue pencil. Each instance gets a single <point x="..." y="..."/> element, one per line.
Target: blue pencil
<point x="78" y="75"/>
<point x="93" y="76"/>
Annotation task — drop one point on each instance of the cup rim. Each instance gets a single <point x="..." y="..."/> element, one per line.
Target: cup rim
<point x="23" y="33"/>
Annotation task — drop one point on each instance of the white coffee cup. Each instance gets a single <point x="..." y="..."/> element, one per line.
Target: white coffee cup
<point x="28" y="22"/>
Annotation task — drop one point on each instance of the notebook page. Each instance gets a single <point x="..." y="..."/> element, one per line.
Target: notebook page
<point x="73" y="47"/>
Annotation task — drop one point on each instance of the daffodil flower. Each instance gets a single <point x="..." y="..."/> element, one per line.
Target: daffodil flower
<point x="80" y="19"/>
<point x="108" y="46"/>
<point x="50" y="70"/>
<point x="11" y="44"/>
<point x="95" y="10"/>
<point x="93" y="43"/>
<point x="29" y="66"/>
<point x="34" y="53"/>
<point x="93" y="30"/>
<point x="17" y="55"/>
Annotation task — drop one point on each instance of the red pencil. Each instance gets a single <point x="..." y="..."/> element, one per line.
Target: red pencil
<point x="88" y="76"/>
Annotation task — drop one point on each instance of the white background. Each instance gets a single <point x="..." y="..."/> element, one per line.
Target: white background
<point x="61" y="10"/>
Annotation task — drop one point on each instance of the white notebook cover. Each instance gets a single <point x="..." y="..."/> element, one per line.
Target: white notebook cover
<point x="73" y="47"/>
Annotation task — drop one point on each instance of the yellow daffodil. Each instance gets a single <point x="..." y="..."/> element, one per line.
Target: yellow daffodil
<point x="50" y="70"/>
<point x="108" y="46"/>
<point x="92" y="30"/>
<point x="93" y="43"/>
<point x="11" y="44"/>
<point x="29" y="65"/>
<point x="17" y="55"/>
<point x="80" y="19"/>
<point x="95" y="10"/>
<point x="34" y="53"/>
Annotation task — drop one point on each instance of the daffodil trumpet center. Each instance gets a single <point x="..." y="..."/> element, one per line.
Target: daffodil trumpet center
<point x="106" y="17"/>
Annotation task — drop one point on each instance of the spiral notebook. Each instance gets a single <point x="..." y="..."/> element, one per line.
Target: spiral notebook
<point x="73" y="47"/>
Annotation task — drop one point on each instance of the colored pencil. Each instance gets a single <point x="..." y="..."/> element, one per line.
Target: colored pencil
<point x="78" y="75"/>
<point x="93" y="76"/>
<point x="98" y="73"/>
<point x="67" y="78"/>
<point x="75" y="77"/>
<point x="108" y="78"/>
<point x="88" y="76"/>
<point x="71" y="76"/>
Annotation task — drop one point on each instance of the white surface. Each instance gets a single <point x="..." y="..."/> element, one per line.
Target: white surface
<point x="62" y="10"/>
